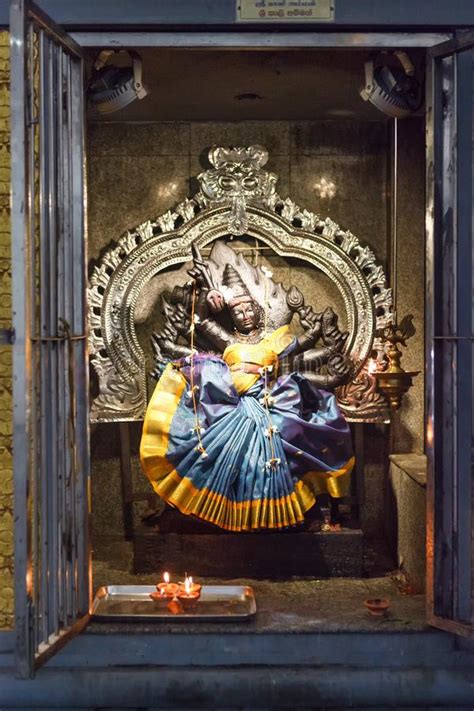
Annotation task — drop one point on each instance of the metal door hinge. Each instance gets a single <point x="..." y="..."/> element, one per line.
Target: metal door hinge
<point x="7" y="336"/>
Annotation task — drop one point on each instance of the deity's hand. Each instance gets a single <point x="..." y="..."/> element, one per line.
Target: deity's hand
<point x="326" y="382"/>
<point x="159" y="361"/>
<point x="338" y="373"/>
<point x="311" y="322"/>
<point x="339" y="368"/>
<point x="215" y="301"/>
<point x="201" y="306"/>
<point x="208" y="300"/>
<point x="332" y="337"/>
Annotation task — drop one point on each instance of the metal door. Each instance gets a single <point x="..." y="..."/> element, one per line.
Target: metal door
<point x="50" y="441"/>
<point x="449" y="334"/>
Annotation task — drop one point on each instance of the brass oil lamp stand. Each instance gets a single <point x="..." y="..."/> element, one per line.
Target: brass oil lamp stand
<point x="394" y="381"/>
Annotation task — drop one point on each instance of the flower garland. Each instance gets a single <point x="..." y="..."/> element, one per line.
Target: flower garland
<point x="194" y="388"/>
<point x="267" y="399"/>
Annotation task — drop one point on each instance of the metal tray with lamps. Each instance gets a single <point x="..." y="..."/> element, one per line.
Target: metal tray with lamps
<point x="218" y="603"/>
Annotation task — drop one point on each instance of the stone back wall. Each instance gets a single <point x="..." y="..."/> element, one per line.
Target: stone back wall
<point x="138" y="171"/>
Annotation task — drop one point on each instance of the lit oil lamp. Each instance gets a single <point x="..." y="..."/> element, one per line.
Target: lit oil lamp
<point x="165" y="590"/>
<point x="189" y="590"/>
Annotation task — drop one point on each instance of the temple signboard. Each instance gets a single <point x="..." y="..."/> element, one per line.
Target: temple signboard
<point x="285" y="10"/>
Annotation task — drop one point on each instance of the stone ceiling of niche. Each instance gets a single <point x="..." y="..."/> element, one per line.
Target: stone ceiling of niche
<point x="203" y="85"/>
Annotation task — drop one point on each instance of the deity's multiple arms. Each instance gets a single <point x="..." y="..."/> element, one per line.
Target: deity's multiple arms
<point x="200" y="307"/>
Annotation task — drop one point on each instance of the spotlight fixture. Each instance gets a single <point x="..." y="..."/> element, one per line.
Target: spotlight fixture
<point x="391" y="85"/>
<point x="112" y="87"/>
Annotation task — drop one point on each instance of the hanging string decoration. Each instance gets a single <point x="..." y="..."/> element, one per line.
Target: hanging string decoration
<point x="198" y="428"/>
<point x="271" y="429"/>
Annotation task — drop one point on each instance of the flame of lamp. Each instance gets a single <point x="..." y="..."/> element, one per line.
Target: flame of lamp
<point x="191" y="591"/>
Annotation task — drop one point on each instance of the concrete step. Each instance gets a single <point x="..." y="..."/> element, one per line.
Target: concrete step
<point x="255" y="555"/>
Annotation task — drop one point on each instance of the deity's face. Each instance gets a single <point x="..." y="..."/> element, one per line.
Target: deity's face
<point x="244" y="316"/>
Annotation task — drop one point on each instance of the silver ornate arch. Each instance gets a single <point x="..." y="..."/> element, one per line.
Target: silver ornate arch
<point x="236" y="197"/>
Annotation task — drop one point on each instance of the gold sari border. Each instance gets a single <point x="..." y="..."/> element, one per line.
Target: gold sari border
<point x="230" y="515"/>
<point x="157" y="424"/>
<point x="336" y="483"/>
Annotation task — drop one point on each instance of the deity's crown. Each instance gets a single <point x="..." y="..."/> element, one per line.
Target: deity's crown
<point x="233" y="288"/>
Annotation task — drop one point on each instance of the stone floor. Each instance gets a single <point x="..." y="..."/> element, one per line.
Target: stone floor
<point x="294" y="605"/>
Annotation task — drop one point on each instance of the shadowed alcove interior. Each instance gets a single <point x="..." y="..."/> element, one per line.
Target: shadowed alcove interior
<point x="332" y="153"/>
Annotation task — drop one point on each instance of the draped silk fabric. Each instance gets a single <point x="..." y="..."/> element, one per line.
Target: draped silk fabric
<point x="247" y="478"/>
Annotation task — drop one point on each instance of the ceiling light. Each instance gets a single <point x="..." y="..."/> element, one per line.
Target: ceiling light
<point x="391" y="85"/>
<point x="113" y="87"/>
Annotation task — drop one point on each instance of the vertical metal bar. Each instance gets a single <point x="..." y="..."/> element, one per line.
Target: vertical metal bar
<point x="44" y="331"/>
<point x="433" y="117"/>
<point x="54" y="414"/>
<point x="72" y="530"/>
<point x="81" y="366"/>
<point x="62" y="346"/>
<point x="34" y="247"/>
<point x="21" y="313"/>
<point x="68" y="489"/>
<point x="35" y="473"/>
<point x="73" y="404"/>
<point x="463" y="227"/>
<point x="394" y="220"/>
<point x="445" y="374"/>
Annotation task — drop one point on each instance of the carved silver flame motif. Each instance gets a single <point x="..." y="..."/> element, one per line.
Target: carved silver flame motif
<point x="236" y="197"/>
<point x="237" y="179"/>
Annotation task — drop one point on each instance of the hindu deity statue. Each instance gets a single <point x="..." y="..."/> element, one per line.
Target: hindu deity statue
<point x="242" y="429"/>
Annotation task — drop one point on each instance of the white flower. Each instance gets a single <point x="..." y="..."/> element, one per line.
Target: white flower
<point x="272" y="462"/>
<point x="267" y="272"/>
<point x="196" y="319"/>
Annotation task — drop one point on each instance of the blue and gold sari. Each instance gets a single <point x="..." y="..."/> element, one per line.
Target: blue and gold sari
<point x="248" y="477"/>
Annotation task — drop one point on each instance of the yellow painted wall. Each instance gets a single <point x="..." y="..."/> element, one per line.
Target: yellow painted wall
<point x="6" y="474"/>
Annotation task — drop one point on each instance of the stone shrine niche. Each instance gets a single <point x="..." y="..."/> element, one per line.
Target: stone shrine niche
<point x="237" y="204"/>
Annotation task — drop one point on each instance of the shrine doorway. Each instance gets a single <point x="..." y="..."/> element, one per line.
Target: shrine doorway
<point x="416" y="149"/>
